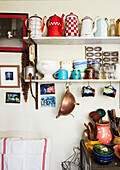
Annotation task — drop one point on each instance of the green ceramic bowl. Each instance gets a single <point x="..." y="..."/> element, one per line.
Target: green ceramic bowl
<point x="103" y="149"/>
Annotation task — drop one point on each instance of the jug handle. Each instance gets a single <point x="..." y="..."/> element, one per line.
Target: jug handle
<point x="47" y="23"/>
<point x="55" y="75"/>
<point x="26" y="24"/>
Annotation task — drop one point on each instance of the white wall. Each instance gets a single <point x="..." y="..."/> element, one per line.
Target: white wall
<point x="23" y="119"/>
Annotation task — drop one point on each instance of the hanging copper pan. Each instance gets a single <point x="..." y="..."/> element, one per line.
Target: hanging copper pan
<point x="68" y="104"/>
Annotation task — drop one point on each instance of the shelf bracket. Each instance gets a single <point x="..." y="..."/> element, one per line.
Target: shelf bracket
<point x="36" y="91"/>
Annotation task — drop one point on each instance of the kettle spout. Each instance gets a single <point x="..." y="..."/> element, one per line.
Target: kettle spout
<point x="95" y="25"/>
<point x="61" y="29"/>
<point x="43" y="25"/>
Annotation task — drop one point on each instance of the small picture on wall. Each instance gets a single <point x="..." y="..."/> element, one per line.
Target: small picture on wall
<point x="12" y="97"/>
<point x="47" y="89"/>
<point x="49" y="101"/>
<point x="9" y="76"/>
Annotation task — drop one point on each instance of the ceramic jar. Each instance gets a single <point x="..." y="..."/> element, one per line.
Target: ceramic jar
<point x="104" y="134"/>
<point x="90" y="144"/>
<point x="116" y="140"/>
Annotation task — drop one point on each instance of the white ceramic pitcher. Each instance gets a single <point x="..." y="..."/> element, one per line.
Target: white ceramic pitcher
<point x="102" y="28"/>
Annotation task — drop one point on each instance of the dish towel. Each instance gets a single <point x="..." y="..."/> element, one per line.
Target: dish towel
<point x="24" y="146"/>
<point x="29" y="159"/>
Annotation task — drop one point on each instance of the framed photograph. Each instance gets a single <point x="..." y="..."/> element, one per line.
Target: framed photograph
<point x="9" y="76"/>
<point x="12" y="97"/>
<point x="12" y="31"/>
<point x="47" y="89"/>
<point x="49" y="101"/>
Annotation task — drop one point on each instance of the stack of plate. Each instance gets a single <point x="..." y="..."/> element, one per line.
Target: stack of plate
<point x="103" y="154"/>
<point x="80" y="65"/>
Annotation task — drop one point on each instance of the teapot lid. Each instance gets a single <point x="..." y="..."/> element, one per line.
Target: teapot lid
<point x="35" y="15"/>
<point x="87" y="17"/>
<point x="72" y="14"/>
<point x="55" y="16"/>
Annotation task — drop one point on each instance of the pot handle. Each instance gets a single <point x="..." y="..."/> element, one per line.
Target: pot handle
<point x="75" y="103"/>
<point x="55" y="75"/>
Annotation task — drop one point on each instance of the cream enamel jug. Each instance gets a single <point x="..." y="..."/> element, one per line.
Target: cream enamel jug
<point x="102" y="28"/>
<point x="36" y="26"/>
<point x="87" y="27"/>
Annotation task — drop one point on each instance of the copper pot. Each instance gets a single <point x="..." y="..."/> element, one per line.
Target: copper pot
<point x="68" y="104"/>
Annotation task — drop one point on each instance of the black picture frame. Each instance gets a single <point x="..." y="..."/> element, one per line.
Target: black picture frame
<point x="12" y="31"/>
<point x="12" y="97"/>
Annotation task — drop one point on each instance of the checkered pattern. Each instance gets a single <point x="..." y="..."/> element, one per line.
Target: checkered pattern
<point x="71" y="26"/>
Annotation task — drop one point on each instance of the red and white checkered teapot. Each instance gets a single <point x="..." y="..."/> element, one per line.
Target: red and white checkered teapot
<point x="71" y="27"/>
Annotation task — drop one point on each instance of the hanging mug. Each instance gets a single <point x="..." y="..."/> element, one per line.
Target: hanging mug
<point x="109" y="91"/>
<point x="88" y="91"/>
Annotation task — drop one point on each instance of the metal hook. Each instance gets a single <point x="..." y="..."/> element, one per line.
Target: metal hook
<point x="68" y="84"/>
<point x="88" y="84"/>
<point x="110" y="84"/>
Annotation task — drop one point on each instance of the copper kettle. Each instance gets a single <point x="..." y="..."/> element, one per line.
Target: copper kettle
<point x="68" y="104"/>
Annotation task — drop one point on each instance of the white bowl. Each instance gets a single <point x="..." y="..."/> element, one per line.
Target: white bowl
<point x="48" y="68"/>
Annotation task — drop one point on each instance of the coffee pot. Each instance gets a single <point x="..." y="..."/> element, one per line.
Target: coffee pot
<point x="71" y="28"/>
<point x="102" y="27"/>
<point x="87" y="27"/>
<point x="55" y="25"/>
<point x="36" y="26"/>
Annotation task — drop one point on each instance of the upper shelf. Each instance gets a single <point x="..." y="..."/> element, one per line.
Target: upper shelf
<point x="75" y="40"/>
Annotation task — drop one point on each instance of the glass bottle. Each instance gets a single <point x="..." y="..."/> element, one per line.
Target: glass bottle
<point x="89" y="71"/>
<point x="101" y="73"/>
<point x="112" y="27"/>
<point x="106" y="72"/>
<point x="111" y="72"/>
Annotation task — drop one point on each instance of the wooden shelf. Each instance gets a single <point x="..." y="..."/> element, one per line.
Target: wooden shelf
<point x="75" y="81"/>
<point x="75" y="40"/>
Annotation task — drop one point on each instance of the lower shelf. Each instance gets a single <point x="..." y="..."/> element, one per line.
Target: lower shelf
<point x="75" y="81"/>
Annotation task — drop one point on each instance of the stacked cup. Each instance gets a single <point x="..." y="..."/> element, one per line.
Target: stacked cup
<point x="66" y="65"/>
<point x="80" y="65"/>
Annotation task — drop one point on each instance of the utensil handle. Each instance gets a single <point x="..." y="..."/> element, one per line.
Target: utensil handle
<point x="101" y="121"/>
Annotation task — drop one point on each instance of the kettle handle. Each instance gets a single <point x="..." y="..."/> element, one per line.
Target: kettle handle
<point x="26" y="24"/>
<point x="55" y="75"/>
<point x="47" y="23"/>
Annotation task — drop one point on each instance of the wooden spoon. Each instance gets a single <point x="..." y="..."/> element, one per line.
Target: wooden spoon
<point x="114" y="114"/>
<point x="92" y="130"/>
<point x="87" y="130"/>
<point x="91" y="114"/>
<point x="96" y="118"/>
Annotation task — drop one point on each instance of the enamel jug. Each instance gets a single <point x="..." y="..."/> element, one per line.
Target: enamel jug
<point x="87" y="27"/>
<point x="36" y="26"/>
<point x="102" y="28"/>
<point x="55" y="25"/>
<point x="71" y="28"/>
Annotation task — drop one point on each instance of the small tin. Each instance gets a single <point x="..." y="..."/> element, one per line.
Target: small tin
<point x="28" y="70"/>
